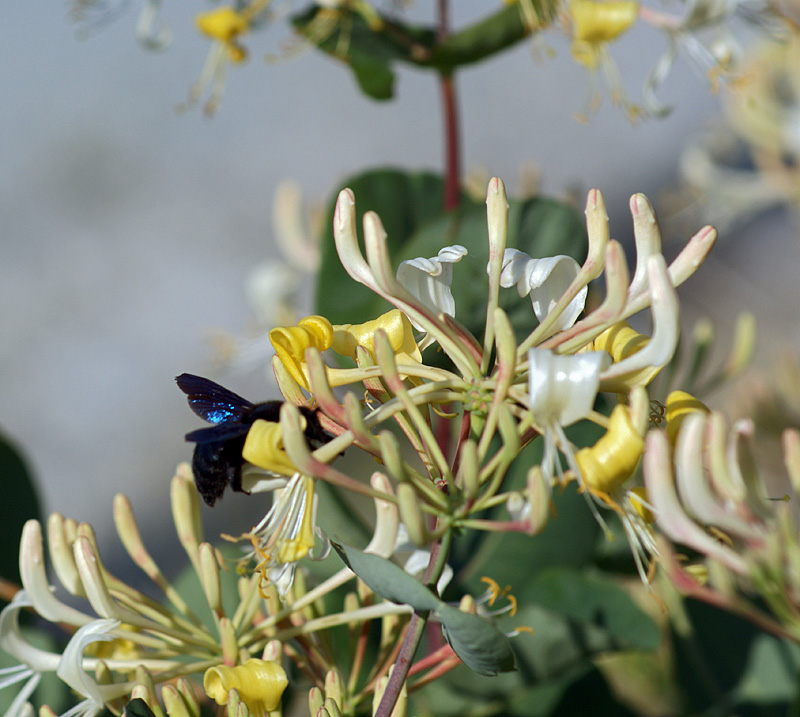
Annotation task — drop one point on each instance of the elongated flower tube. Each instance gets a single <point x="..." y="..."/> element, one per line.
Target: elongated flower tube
<point x="428" y="281"/>
<point x="260" y="684"/>
<point x="545" y="280"/>
<point x="636" y="368"/>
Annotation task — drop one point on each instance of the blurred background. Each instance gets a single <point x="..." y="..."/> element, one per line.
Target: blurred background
<point x="129" y="230"/>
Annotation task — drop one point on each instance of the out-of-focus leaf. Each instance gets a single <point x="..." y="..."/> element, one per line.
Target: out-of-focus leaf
<point x="20" y="503"/>
<point x="371" y="50"/>
<point x="597" y="602"/>
<point x="480" y="645"/>
<point x="388" y="580"/>
<point x="771" y="673"/>
<point x="138" y="708"/>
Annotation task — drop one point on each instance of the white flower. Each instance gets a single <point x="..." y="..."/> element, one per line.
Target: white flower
<point x="428" y="281"/>
<point x="545" y="280"/>
<point x="561" y="391"/>
<point x="33" y="661"/>
<point x="288" y="532"/>
<point x="70" y="669"/>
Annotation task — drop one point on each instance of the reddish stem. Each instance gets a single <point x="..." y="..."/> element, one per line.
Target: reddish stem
<point x="451" y="133"/>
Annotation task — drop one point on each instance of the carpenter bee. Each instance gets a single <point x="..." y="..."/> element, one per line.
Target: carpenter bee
<point x="217" y="461"/>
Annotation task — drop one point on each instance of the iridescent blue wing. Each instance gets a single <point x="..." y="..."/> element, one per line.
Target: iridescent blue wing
<point x="210" y="401"/>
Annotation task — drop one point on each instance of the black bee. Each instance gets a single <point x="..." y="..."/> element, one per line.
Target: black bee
<point x="217" y="460"/>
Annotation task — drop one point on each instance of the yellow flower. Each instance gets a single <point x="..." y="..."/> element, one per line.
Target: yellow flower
<point x="290" y="344"/>
<point x="621" y="341"/>
<point x="263" y="447"/>
<point x="596" y="23"/>
<point x="348" y="337"/>
<point x="679" y="405"/>
<point x="225" y="25"/>
<point x="610" y="462"/>
<point x="260" y="684"/>
<point x="288" y="533"/>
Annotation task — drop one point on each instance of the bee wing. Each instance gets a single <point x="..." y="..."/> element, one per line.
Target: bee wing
<point x="217" y="434"/>
<point x="210" y="401"/>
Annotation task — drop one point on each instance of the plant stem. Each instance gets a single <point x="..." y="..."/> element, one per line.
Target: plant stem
<point x="416" y="628"/>
<point x="452" y="144"/>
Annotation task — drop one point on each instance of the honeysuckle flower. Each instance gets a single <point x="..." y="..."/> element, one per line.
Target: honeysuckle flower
<point x="263" y="447"/>
<point x="428" y="281"/>
<point x="316" y="332"/>
<point x="545" y="280"/>
<point x="715" y="58"/>
<point x="561" y="391"/>
<point x="71" y="670"/>
<point x="608" y="465"/>
<point x="224" y="25"/>
<point x="596" y="24"/>
<point x="347" y="338"/>
<point x="260" y="684"/>
<point x="288" y="533"/>
<point x="33" y="661"/>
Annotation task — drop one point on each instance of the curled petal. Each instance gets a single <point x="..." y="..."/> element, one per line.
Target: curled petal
<point x="70" y="669"/>
<point x="562" y="389"/>
<point x="545" y="280"/>
<point x="610" y="462"/>
<point x="348" y="337"/>
<point x="13" y="643"/>
<point x="263" y="447"/>
<point x="428" y="280"/>
<point x="290" y="344"/>
<point x="260" y="684"/>
<point x="637" y="369"/>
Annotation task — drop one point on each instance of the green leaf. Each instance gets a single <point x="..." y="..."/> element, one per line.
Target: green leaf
<point x="371" y="49"/>
<point x="771" y="673"/>
<point x="479" y="645"/>
<point x="596" y="602"/>
<point x="20" y="504"/>
<point x="388" y="580"/>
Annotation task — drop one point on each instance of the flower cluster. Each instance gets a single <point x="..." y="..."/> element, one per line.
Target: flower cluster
<point x="123" y="645"/>
<point x="497" y="393"/>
